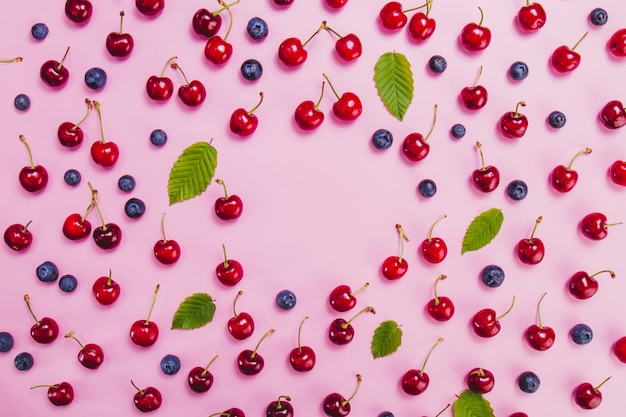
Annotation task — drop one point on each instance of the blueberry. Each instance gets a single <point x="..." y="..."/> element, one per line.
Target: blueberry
<point x="518" y="70"/>
<point x="427" y="188"/>
<point x="251" y="69"/>
<point x="170" y="364"/>
<point x="386" y="414"/>
<point x="72" y="177"/>
<point x="517" y="190"/>
<point x="528" y="382"/>
<point x="581" y="334"/>
<point x="23" y="361"/>
<point x="47" y="272"/>
<point x="286" y="300"/>
<point x="68" y="283"/>
<point x="437" y="64"/>
<point x="556" y="119"/>
<point x="126" y="183"/>
<point x="158" y="137"/>
<point x="457" y="131"/>
<point x="257" y="28"/>
<point x="95" y="78"/>
<point x="21" y="102"/>
<point x="39" y="31"/>
<point x="598" y="16"/>
<point x="134" y="208"/>
<point x="6" y="342"/>
<point x="382" y="139"/>
<point x="492" y="276"/>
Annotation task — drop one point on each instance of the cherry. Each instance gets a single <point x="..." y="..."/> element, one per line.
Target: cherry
<point x="280" y="408"/>
<point x="44" y="331"/>
<point x="59" y="394"/>
<point x="563" y="178"/>
<point x="228" y="207"/>
<point x="480" y="380"/>
<point x="90" y="355"/>
<point x="191" y="93"/>
<point x="249" y="361"/>
<point x="474" y="36"/>
<point x="229" y="272"/>
<point x="243" y="122"/>
<point x="594" y="226"/>
<point x="151" y="8"/>
<point x="531" y="251"/>
<point x="103" y="153"/>
<point x="414" y="147"/>
<point x="145" y="332"/>
<point x="106" y="290"/>
<point x="619" y="349"/>
<point x="166" y="251"/>
<point x="302" y="358"/>
<point x="485" y="178"/>
<point x="70" y="134"/>
<point x="200" y="379"/>
<point x="348" y="106"/>
<point x="394" y="267"/>
<point x="342" y="298"/>
<point x="440" y="308"/>
<point x="421" y="26"/>
<point x="617" y="43"/>
<point x="348" y="47"/>
<point x="531" y="17"/>
<point x="53" y="73"/>
<point x="33" y="178"/>
<point x="564" y="59"/>
<point x="160" y="88"/>
<point x="78" y="11"/>
<point x="292" y="52"/>
<point x="475" y="96"/>
<point x="335" y="405"/>
<point x="392" y="16"/>
<point x="206" y="23"/>
<point x="613" y="115"/>
<point x="307" y="114"/>
<point x="434" y="249"/>
<point x="514" y="124"/>
<point x="148" y="399"/>
<point x="217" y="50"/>
<point x="485" y="323"/>
<point x="109" y="235"/>
<point x="415" y="382"/>
<point x="617" y="172"/>
<point x="120" y="44"/>
<point x="18" y="237"/>
<point x="582" y="285"/>
<point x="341" y="331"/>
<point x="231" y="412"/>
<point x="587" y="396"/>
<point x="538" y="336"/>
<point x="241" y="325"/>
<point x="77" y="227"/>
<point x="283" y="2"/>
<point x="336" y="4"/>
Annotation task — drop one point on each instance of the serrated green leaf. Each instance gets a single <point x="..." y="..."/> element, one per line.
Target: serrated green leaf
<point x="482" y="230"/>
<point x="471" y="404"/>
<point x="192" y="172"/>
<point x="387" y="339"/>
<point x="394" y="82"/>
<point x="194" y="312"/>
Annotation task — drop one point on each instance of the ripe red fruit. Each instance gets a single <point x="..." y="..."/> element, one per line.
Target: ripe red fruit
<point x="415" y="146"/>
<point x="480" y="380"/>
<point x="392" y="16"/>
<point x="192" y="93"/>
<point x="394" y="267"/>
<point x="565" y="59"/>
<point x="160" y="88"/>
<point x="292" y="52"/>
<point x="434" y="249"/>
<point x="587" y="396"/>
<point x="302" y="358"/>
<point x="474" y="97"/>
<point x="531" y="17"/>
<point x="18" y="237"/>
<point x="229" y="272"/>
<point x="33" y="178"/>
<point x="120" y="44"/>
<point x="538" y="336"/>
<point x="617" y="43"/>
<point x="582" y="285"/>
<point x="342" y="298"/>
<point x="243" y="122"/>
<point x="70" y="134"/>
<point x="613" y="115"/>
<point x="594" y="226"/>
<point x="106" y="290"/>
<point x="440" y="308"/>
<point x="485" y="178"/>
<point x="348" y="106"/>
<point x="485" y="323"/>
<point x="617" y="172"/>
<point x="166" y="251"/>
<point x="532" y="250"/>
<point x="240" y="325"/>
<point x="474" y="36"/>
<point x="514" y="124"/>
<point x="307" y="115"/>
<point x="228" y="207"/>
<point x="145" y="332"/>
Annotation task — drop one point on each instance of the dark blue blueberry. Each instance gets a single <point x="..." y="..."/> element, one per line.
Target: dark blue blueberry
<point x="126" y="183"/>
<point x="457" y="131"/>
<point x="492" y="276"/>
<point x="158" y="137"/>
<point x="286" y="300"/>
<point x="170" y="364"/>
<point x="68" y="283"/>
<point x="528" y="382"/>
<point x="21" y="102"/>
<point x="581" y="334"/>
<point x="6" y="342"/>
<point x="556" y="119"/>
<point x="251" y="69"/>
<point x="134" y="208"/>
<point x="598" y="16"/>
<point x="382" y="139"/>
<point x="23" y="361"/>
<point x="518" y="70"/>
<point x="47" y="272"/>
<point x="95" y="78"/>
<point x="72" y="177"/>
<point x="257" y="28"/>
<point x="427" y="188"/>
<point x="39" y="31"/>
<point x="437" y="64"/>
<point x="386" y="414"/>
<point x="517" y="190"/>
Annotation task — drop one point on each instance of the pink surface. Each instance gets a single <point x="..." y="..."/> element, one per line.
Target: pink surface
<point x="320" y="210"/>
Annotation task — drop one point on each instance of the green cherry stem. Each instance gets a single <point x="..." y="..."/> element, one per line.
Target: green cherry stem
<point x="30" y="154"/>
<point x="538" y="310"/>
<point x="206" y="370"/>
<point x="482" y="157"/>
<point x="441" y="412"/>
<point x="9" y="61"/>
<point x="96" y="104"/>
<point x="121" y="21"/>
<point x="89" y="109"/>
<point x="225" y="6"/>
<point x="163" y="228"/>
<point x="319" y="29"/>
<point x="482" y="16"/>
<point x="175" y="65"/>
<point x="239" y="294"/>
<point x="267" y="333"/>
<point x="601" y="383"/>
<point x="532" y="234"/>
<point x="580" y="40"/>
<point x="45" y="386"/>
<point x="137" y="388"/>
<point x="403" y="237"/>
<point x="226" y="264"/>
<point x="429" y="353"/>
<point x="365" y="310"/>
<point x="507" y="310"/>
<point x="167" y="64"/>
<point x="331" y="30"/>
<point x="520" y="103"/>
<point x="439" y="278"/>
<point x="367" y="284"/>
<point x="221" y="182"/>
<point x="154" y="297"/>
<point x="30" y="309"/>
<point x="279" y="405"/>
<point x="432" y="227"/>
<point x="63" y="59"/>
<point x="94" y="194"/>
<point x="331" y="86"/>
<point x="220" y="414"/>
<point x="432" y="126"/>
<point x="480" y="72"/>
<point x="418" y="7"/>
<point x="71" y="336"/>
<point x="110" y="280"/>
<point x="359" y="379"/>
<point x="586" y="150"/>
<point x="230" y="18"/>
<point x="317" y="105"/>
<point x="604" y="270"/>
<point x="299" y="331"/>
<point x="25" y="228"/>
<point x="261" y="96"/>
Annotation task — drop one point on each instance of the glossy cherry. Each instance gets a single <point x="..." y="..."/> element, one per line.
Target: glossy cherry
<point x="70" y="134"/>
<point x="192" y="93"/>
<point x="103" y="153"/>
<point x="249" y="361"/>
<point x="613" y="115"/>
<point x="392" y="17"/>
<point x="485" y="178"/>
<point x="231" y="412"/>
<point x="474" y="36"/>
<point x="292" y="52"/>
<point x="33" y="178"/>
<point x="434" y="249"/>
<point x="415" y="146"/>
<point x="145" y="332"/>
<point x="581" y="285"/>
<point x="229" y="272"/>
<point x="206" y="23"/>
<point x="538" y="336"/>
<point x="18" y="237"/>
<point x="54" y="73"/>
<point x="563" y="179"/>
<point x="421" y="26"/>
<point x="619" y="349"/>
<point x="394" y="267"/>
<point x="440" y="308"/>
<point x="280" y="407"/>
<point x="341" y="331"/>
<point x="240" y="325"/>
<point x="474" y="97"/>
<point x="348" y="47"/>
<point x="228" y="207"/>
<point x="59" y="394"/>
<point x="342" y="298"/>
<point x="617" y="172"/>
<point x="513" y="124"/>
<point x="76" y="226"/>
<point x="120" y="44"/>
<point x="302" y="358"/>
<point x="200" y="379"/>
<point x="105" y="290"/>
<point x="160" y="88"/>
<point x="565" y="59"/>
<point x="147" y="399"/>
<point x="532" y="250"/>
<point x="307" y="115"/>
<point x="150" y="8"/>
<point x="243" y="122"/>
<point x="617" y="43"/>
<point x="109" y="235"/>
<point x="218" y="50"/>
<point x="44" y="331"/>
<point x="415" y="382"/>
<point x="480" y="380"/>
<point x="166" y="251"/>
<point x="587" y="396"/>
<point x="90" y="355"/>
<point x="336" y="405"/>
<point x="531" y="17"/>
<point x="348" y="106"/>
<point x="78" y="11"/>
<point x="594" y="226"/>
<point x="336" y="4"/>
<point x="485" y="323"/>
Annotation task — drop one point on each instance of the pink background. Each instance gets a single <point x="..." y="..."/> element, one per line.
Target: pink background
<point x="320" y="210"/>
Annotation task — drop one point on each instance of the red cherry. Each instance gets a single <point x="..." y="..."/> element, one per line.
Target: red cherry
<point x="342" y="298"/>
<point x="480" y="380"/>
<point x="531" y="17"/>
<point x="392" y="16"/>
<point x="475" y="37"/>
<point x="90" y="355"/>
<point x="280" y="407"/>
<point x="302" y="358"/>
<point x="120" y="44"/>
<point x="229" y="272"/>
<point x="619" y="349"/>
<point x="538" y="336"/>
<point x="587" y="396"/>
<point x="243" y="122"/>
<point x="77" y="227"/>
<point x="18" y="237"/>
<point x="485" y="178"/>
<point x="144" y="332"/>
<point x="415" y="382"/>
<point x="148" y="399"/>
<point x="335" y="405"/>
<point x="485" y="323"/>
<point x="531" y="251"/>
<point x="582" y="285"/>
<point x="514" y="124"/>
<point x="103" y="153"/>
<point x="613" y="115"/>
<point x="241" y="325"/>
<point x="440" y="308"/>
<point x="617" y="43"/>
<point x="394" y="267"/>
<point x="348" y="106"/>
<point x="150" y="8"/>
<point x="228" y="207"/>
<point x="292" y="52"/>
<point x="564" y="59"/>
<point x="106" y="290"/>
<point x="53" y="73"/>
<point x="617" y="172"/>
<point x="594" y="226"/>
<point x="160" y="88"/>
<point x="341" y="331"/>
<point x="109" y="235"/>
<point x="44" y="331"/>
<point x="217" y="50"/>
<point x="78" y="11"/>
<point x="70" y="134"/>
<point x="33" y="178"/>
<point x="200" y="379"/>
<point x="415" y="146"/>
<point x="474" y="97"/>
<point x="192" y="93"/>
<point x="206" y="23"/>
<point x="59" y="394"/>
<point x="434" y="249"/>
<point x="348" y="47"/>
<point x="336" y="4"/>
<point x="307" y="115"/>
<point x="249" y="361"/>
<point x="166" y="251"/>
<point x="563" y="179"/>
<point x="421" y="27"/>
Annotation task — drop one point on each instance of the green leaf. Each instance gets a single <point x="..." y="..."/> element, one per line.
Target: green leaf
<point x="387" y="339"/>
<point x="394" y="83"/>
<point x="192" y="172"/>
<point x="471" y="404"/>
<point x="482" y="230"/>
<point x="194" y="312"/>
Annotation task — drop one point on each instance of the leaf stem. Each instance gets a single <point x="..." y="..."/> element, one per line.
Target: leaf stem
<point x="284" y="397"/>
<point x="121" y="20"/>
<point x="230" y="17"/>
<point x="176" y="66"/>
<point x="94" y="200"/>
<point x="9" y="61"/>
<point x="220" y="182"/>
<point x="163" y="228"/>
<point x="604" y="270"/>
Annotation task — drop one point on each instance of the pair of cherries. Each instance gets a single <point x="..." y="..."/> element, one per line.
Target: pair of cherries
<point x="161" y="88"/>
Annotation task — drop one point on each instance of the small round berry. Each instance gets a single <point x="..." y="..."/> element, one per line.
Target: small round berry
<point x="382" y="139"/>
<point x="47" y="272"/>
<point x="23" y="361"/>
<point x="437" y="64"/>
<point x="21" y="102"/>
<point x="39" y="31"/>
<point x="519" y="414"/>
<point x="95" y="78"/>
<point x="386" y="414"/>
<point x="251" y="69"/>
<point x="72" y="177"/>
<point x="68" y="283"/>
<point x="518" y="70"/>
<point x="6" y="342"/>
<point x="134" y="208"/>
<point x="257" y="28"/>
<point x="528" y="382"/>
<point x="170" y="364"/>
<point x="492" y="276"/>
<point x="457" y="131"/>
<point x="158" y="137"/>
<point x="556" y="119"/>
<point x="427" y="188"/>
<point x="581" y="334"/>
<point x="126" y="183"/>
<point x="598" y="16"/>
<point x="286" y="300"/>
<point x="517" y="190"/>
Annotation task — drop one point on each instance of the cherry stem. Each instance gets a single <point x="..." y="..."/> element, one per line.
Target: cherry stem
<point x="580" y="40"/>
<point x="315" y="33"/>
<point x="535" y="228"/>
<point x="439" y="278"/>
<point x="586" y="150"/>
<point x="97" y="106"/>
<point x="25" y="228"/>
<point x="601" y="383"/>
<point x="482" y="157"/>
<point x="429" y="6"/>
<point x="156" y="290"/>
<point x="215" y="13"/>
<point x="418" y="7"/>
<point x="444" y="409"/>
<point x="63" y="59"/>
<point x="71" y="335"/>
<point x="367" y="284"/>
<point x="9" y="61"/>
<point x="230" y="17"/>
<point x="267" y="333"/>
<point x="284" y="397"/>
<point x="167" y="64"/>
<point x="334" y="32"/>
<point x="220" y="182"/>
<point x="220" y="414"/>
<point x="239" y="293"/>
<point x="527" y="3"/>
<point x="163" y="227"/>
<point x="520" y="103"/>
<point x="27" y="299"/>
<point x="110" y="280"/>
<point x="299" y="331"/>
<point x="403" y="237"/>
<point x="429" y="353"/>
<point x="226" y="264"/>
<point x="30" y="154"/>
<point x="480" y="72"/>
<point x="137" y="388"/>
<point x="204" y="372"/>
<point x="482" y="16"/>
<point x="604" y="270"/>
<point x="366" y="309"/>
<point x="359" y="378"/>
<point x="432" y="126"/>
<point x="432" y="227"/>
<point x="176" y="66"/>
<point x="97" y="205"/>
<point x="538" y="312"/>
<point x="321" y="95"/>
<point x="612" y="224"/>
<point x="89" y="109"/>
<point x="121" y="20"/>
<point x="331" y="86"/>
<point x="261" y="95"/>
<point x="507" y="310"/>
<point x="44" y="386"/>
